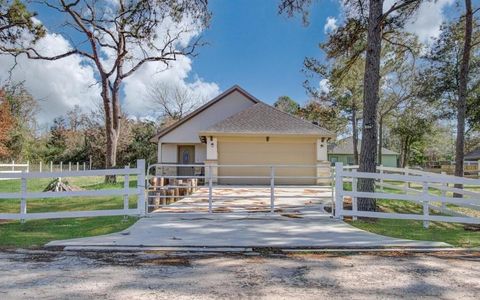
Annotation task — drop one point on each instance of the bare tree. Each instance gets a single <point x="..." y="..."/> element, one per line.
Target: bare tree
<point x="173" y="100"/>
<point x="119" y="37"/>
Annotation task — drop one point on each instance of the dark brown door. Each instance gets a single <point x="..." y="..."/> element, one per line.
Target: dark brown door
<point x="186" y="156"/>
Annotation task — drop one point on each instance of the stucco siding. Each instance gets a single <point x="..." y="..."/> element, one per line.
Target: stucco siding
<point x="188" y="131"/>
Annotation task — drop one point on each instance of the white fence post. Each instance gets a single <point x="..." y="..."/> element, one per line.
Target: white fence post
<point x="209" y="188"/>
<point x="28" y="166"/>
<point x="61" y="166"/>
<point x="338" y="190"/>
<point x="354" y="198"/>
<point x="332" y="185"/>
<point x="381" y="179"/>
<point x="407" y="184"/>
<point x="40" y="167"/>
<point x="444" y="193"/>
<point x="69" y="166"/>
<point x="51" y="166"/>
<point x="23" y="199"/>
<point x="84" y="166"/>
<point x="126" y="187"/>
<point x="272" y="189"/>
<point x="13" y="166"/>
<point x="425" y="200"/>
<point x="78" y="166"/>
<point x="141" y="186"/>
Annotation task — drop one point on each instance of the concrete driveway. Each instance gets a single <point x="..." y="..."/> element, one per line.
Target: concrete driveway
<point x="306" y="230"/>
<point x="250" y="198"/>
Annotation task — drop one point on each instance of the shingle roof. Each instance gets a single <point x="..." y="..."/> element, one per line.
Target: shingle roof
<point x="473" y="155"/>
<point x="262" y="118"/>
<point x="234" y="88"/>
<point x="345" y="146"/>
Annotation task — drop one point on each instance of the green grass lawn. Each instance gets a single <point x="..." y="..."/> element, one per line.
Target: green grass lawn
<point x="452" y="233"/>
<point x="35" y="233"/>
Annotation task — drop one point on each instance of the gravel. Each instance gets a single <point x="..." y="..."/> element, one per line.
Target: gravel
<point x="156" y="275"/>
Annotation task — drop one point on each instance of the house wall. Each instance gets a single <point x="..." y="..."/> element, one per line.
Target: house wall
<point x="169" y="152"/>
<point x="388" y="160"/>
<point x="187" y="133"/>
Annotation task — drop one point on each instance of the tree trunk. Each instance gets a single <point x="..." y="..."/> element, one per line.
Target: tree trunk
<point x="355" y="136"/>
<point x="370" y="101"/>
<point x="462" y="94"/>
<point x="380" y="140"/>
<point x="112" y="128"/>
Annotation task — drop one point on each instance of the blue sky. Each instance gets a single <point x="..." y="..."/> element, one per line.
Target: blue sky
<point x="251" y="45"/>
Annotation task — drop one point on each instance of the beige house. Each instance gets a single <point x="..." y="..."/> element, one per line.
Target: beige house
<point x="235" y="128"/>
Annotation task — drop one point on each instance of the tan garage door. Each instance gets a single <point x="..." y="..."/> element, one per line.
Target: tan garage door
<point x="266" y="153"/>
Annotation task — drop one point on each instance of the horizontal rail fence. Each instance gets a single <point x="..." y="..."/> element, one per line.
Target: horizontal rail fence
<point x="430" y="190"/>
<point x="126" y="191"/>
<point x="266" y="180"/>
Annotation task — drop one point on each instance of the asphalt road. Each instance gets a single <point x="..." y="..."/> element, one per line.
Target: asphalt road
<point x="73" y="275"/>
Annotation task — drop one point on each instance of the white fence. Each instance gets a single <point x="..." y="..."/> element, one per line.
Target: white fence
<point x="24" y="194"/>
<point x="13" y="168"/>
<point x="404" y="178"/>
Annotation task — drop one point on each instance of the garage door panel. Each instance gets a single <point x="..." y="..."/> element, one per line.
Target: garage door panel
<point x="266" y="153"/>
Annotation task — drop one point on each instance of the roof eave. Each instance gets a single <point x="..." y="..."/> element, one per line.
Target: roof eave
<point x="278" y="134"/>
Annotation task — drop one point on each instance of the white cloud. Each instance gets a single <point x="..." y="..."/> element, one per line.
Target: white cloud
<point x="62" y="84"/>
<point x="330" y="25"/>
<point x="59" y="85"/>
<point x="427" y="20"/>
<point x="324" y="86"/>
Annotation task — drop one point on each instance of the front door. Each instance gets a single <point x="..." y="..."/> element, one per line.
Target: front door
<point x="186" y="156"/>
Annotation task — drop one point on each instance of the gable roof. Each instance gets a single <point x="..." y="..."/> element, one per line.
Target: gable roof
<point x="473" y="155"/>
<point x="234" y="88"/>
<point x="262" y="118"/>
<point x="345" y="146"/>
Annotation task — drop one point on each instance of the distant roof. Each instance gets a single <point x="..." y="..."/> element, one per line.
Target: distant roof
<point x="262" y="118"/>
<point x="345" y="146"/>
<point x="234" y="88"/>
<point x="473" y="155"/>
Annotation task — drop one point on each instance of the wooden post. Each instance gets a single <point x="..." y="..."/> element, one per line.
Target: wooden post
<point x="210" y="188"/>
<point x="40" y="166"/>
<point x="444" y="193"/>
<point x="338" y="190"/>
<point x="51" y="166"/>
<point x="354" y="198"/>
<point x="425" y="199"/>
<point x="23" y="199"/>
<point x="272" y="189"/>
<point x="141" y="187"/>
<point x="84" y="166"/>
<point x="126" y="187"/>
<point x="78" y="166"/>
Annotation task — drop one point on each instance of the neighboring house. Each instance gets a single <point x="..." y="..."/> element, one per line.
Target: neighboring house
<point x="342" y="151"/>
<point x="473" y="155"/>
<point x="236" y="128"/>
